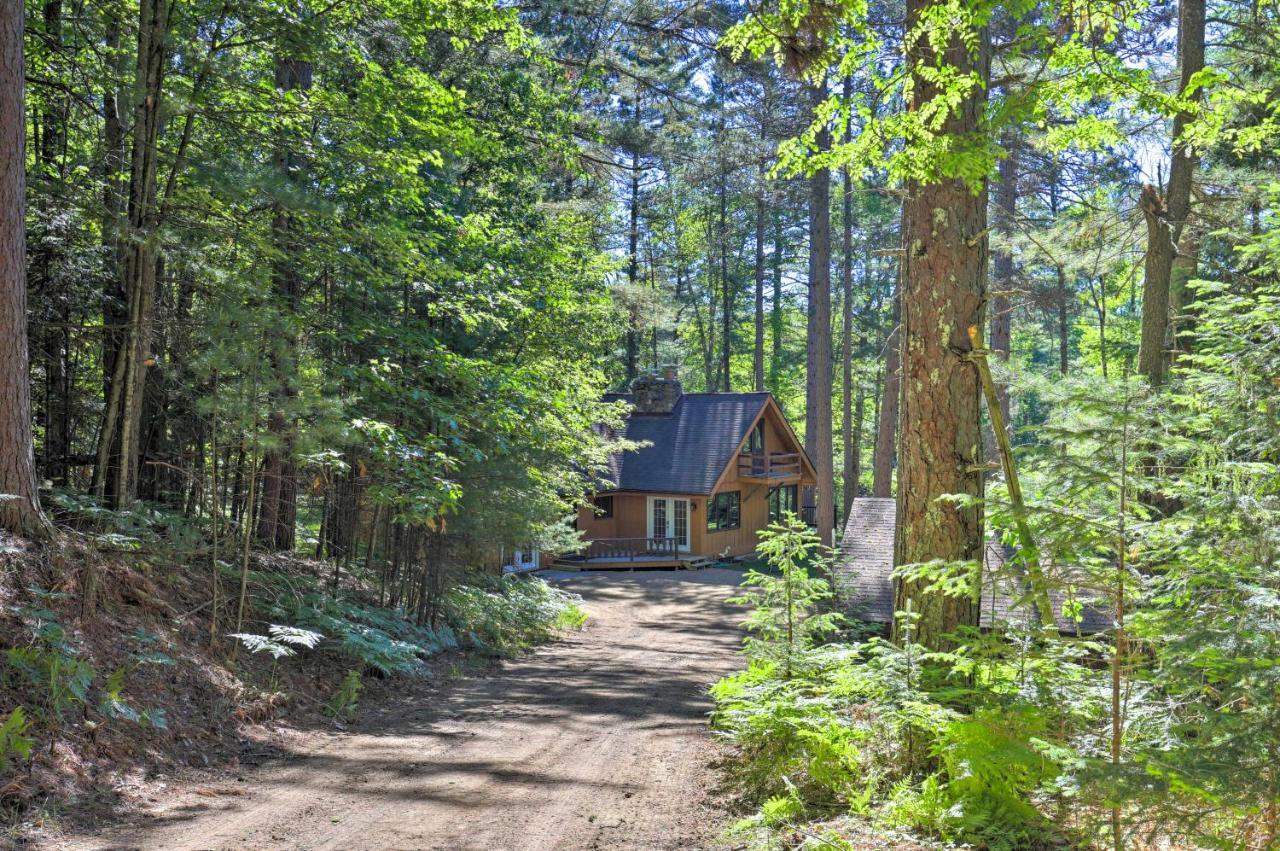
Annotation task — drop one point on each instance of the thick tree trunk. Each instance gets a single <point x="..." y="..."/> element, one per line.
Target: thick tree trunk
<point x="1157" y="267"/>
<point x="1002" y="266"/>
<point x="887" y="414"/>
<point x="277" y="520"/>
<point x="1166" y="217"/>
<point x="818" y="374"/>
<point x="19" y="499"/>
<point x="757" y="360"/>
<point x="940" y="440"/>
<point x="1182" y="168"/>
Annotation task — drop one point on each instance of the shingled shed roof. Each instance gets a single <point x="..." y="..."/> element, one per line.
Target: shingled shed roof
<point x="863" y="571"/>
<point x="689" y="447"/>
<point x="863" y="574"/>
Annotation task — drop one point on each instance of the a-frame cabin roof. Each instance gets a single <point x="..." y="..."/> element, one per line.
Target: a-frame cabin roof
<point x="689" y="448"/>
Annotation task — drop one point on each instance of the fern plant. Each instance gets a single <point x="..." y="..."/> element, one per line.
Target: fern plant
<point x="14" y="740"/>
<point x="346" y="699"/>
<point x="49" y="664"/>
<point x="280" y="641"/>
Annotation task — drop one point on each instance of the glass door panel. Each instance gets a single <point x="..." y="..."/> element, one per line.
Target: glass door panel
<point x="680" y="516"/>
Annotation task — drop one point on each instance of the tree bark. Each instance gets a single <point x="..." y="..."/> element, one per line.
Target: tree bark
<point x="818" y="374"/>
<point x="887" y="415"/>
<point x="726" y="287"/>
<point x="1002" y="266"/>
<point x="1182" y="168"/>
<point x="775" y="306"/>
<point x="123" y="413"/>
<point x="277" y="520"/>
<point x="54" y="336"/>
<point x="1155" y="287"/>
<point x="632" y="342"/>
<point x="849" y="449"/>
<point x="1166" y="217"/>
<point x="944" y="287"/>
<point x="19" y="497"/>
<point x="758" y="351"/>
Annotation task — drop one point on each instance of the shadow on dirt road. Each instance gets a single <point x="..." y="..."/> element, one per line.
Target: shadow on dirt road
<point x="597" y="741"/>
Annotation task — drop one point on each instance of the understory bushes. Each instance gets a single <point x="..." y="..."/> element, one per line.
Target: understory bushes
<point x="868" y="730"/>
<point x="1007" y="739"/>
<point x="121" y="665"/>
<point x="492" y="615"/>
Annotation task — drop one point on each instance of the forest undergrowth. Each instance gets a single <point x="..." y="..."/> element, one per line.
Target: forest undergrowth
<point x="115" y="677"/>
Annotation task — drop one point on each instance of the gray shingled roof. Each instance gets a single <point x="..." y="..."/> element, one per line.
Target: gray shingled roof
<point x="863" y="574"/>
<point x="689" y="447"/>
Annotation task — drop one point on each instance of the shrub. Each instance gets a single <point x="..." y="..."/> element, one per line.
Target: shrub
<point x="14" y="740"/>
<point x="511" y="614"/>
<point x="346" y="699"/>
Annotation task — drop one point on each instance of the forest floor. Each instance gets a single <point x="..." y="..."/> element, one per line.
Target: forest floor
<point x="596" y="741"/>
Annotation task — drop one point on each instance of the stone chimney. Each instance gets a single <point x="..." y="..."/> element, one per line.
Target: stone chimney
<point x="654" y="395"/>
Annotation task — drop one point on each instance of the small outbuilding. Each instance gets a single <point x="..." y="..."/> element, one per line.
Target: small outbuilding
<point x="864" y="585"/>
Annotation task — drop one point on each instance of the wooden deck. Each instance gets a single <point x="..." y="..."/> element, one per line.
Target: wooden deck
<point x="637" y="562"/>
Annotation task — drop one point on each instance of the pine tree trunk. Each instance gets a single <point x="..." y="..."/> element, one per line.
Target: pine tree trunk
<point x="775" y="307"/>
<point x="1182" y="168"/>
<point x="726" y="288"/>
<point x="54" y="336"/>
<point x="846" y="353"/>
<point x="818" y="374"/>
<point x="944" y="286"/>
<point x="887" y="417"/>
<point x="849" y="450"/>
<point x="278" y="519"/>
<point x="757" y="361"/>
<point x="114" y="315"/>
<point x="1155" y="287"/>
<point x="123" y="414"/>
<point x="1002" y="266"/>
<point x="19" y="499"/>
<point x="632" y="341"/>
<point x="1166" y="217"/>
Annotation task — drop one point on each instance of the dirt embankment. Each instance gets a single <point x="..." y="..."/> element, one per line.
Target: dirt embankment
<point x="598" y="741"/>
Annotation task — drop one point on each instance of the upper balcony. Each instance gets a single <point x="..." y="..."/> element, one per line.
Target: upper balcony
<point x="784" y="467"/>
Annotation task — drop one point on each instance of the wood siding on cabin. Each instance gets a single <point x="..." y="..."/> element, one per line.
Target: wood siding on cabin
<point x="631" y="510"/>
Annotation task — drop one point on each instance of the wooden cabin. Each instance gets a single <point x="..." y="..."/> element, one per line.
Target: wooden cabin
<point x="713" y="471"/>
<point x="864" y="583"/>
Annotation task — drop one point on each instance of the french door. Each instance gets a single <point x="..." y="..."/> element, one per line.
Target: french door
<point x="669" y="518"/>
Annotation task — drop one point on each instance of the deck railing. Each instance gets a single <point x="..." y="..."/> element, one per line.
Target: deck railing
<point x="768" y="465"/>
<point x="632" y="548"/>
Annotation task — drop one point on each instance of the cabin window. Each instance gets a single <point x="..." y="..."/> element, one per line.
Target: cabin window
<point x="782" y="501"/>
<point x="603" y="506"/>
<point x="724" y="511"/>
<point x="755" y="441"/>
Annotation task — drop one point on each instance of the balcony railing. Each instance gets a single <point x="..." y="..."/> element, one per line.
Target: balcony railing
<point x="769" y="465"/>
<point x="631" y="548"/>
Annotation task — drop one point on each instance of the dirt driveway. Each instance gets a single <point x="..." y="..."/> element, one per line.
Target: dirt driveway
<point x="595" y="742"/>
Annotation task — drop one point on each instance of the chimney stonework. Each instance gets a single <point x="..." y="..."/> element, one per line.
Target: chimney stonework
<point x="654" y="395"/>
